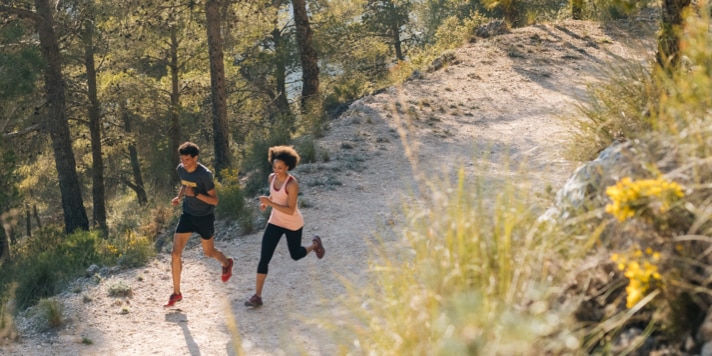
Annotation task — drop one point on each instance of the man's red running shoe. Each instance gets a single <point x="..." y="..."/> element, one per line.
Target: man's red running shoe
<point x="227" y="271"/>
<point x="173" y="299"/>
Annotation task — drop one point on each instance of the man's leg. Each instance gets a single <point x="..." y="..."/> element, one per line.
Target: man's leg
<point x="179" y="242"/>
<point x="210" y="251"/>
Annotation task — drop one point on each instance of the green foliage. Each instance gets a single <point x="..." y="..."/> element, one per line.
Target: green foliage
<point x="50" y="259"/>
<point x="345" y="90"/>
<point x="8" y="159"/>
<point x="657" y="224"/>
<point x="120" y="289"/>
<point x="135" y="250"/>
<point x="50" y="310"/>
<point x="21" y="65"/>
<point x="470" y="276"/>
<point x="233" y="205"/>
<point x="307" y="149"/>
<point x="617" y="110"/>
<point x="615" y="9"/>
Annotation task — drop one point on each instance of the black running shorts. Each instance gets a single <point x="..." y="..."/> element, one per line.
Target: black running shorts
<point x="203" y="225"/>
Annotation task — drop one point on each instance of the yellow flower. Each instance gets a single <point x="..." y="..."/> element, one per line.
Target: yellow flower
<point x="628" y="196"/>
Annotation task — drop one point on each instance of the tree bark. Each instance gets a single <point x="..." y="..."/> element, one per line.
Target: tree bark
<point x="137" y="187"/>
<point x="4" y="244"/>
<point x="307" y="54"/>
<point x="75" y="216"/>
<point x="36" y="214"/>
<point x="577" y="9"/>
<point x="174" y="131"/>
<point x="397" y="43"/>
<point x="668" y="55"/>
<point x="98" y="191"/>
<point x="28" y="221"/>
<point x="280" y="74"/>
<point x="217" y="88"/>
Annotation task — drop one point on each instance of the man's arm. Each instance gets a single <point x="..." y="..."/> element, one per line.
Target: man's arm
<point x="210" y="198"/>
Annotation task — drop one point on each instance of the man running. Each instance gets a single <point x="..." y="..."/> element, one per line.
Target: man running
<point x="199" y="201"/>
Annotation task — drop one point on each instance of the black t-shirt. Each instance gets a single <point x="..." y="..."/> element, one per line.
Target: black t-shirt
<point x="201" y="180"/>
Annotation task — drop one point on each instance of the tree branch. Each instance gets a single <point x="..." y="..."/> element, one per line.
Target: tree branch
<point x="23" y="13"/>
<point x="22" y="132"/>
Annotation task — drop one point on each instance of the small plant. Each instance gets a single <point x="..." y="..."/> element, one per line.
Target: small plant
<point x="86" y="298"/>
<point x="649" y="198"/>
<point x="642" y="273"/>
<point x="87" y="341"/>
<point x="51" y="311"/>
<point x="97" y="278"/>
<point x="120" y="289"/>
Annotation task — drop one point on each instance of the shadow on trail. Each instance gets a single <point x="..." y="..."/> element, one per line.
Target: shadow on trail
<point x="178" y="317"/>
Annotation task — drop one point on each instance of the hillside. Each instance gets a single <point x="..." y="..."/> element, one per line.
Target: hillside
<point x="498" y="109"/>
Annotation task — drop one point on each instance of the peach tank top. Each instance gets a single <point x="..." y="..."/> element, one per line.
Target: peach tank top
<point x="279" y="195"/>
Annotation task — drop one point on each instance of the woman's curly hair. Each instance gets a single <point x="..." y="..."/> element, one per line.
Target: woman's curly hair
<point x="286" y="154"/>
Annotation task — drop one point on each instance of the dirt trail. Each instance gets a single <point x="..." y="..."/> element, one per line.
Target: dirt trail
<point x="494" y="111"/>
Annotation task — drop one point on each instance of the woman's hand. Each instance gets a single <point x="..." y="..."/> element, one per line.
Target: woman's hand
<point x="264" y="202"/>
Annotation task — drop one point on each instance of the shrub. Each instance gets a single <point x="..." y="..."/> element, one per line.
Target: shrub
<point x="120" y="289"/>
<point x="233" y="204"/>
<point x="135" y="250"/>
<point x="44" y="274"/>
<point x="658" y="225"/>
<point x="470" y="276"/>
<point x="50" y="311"/>
<point x="617" y="109"/>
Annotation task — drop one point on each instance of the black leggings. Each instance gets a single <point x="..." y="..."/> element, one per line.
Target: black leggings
<point x="270" y="239"/>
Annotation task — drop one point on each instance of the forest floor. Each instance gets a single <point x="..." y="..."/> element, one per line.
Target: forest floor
<point x="498" y="110"/>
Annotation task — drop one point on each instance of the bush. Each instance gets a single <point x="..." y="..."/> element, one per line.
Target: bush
<point x="120" y="289"/>
<point x="233" y="204"/>
<point x="655" y="230"/>
<point x="42" y="271"/>
<point x="50" y="311"/>
<point x="618" y="109"/>
<point x="470" y="276"/>
<point x="136" y="250"/>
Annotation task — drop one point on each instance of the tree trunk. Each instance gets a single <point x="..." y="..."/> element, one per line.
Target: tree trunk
<point x="307" y="54"/>
<point x="577" y="9"/>
<point x="98" y="191"/>
<point x="280" y="73"/>
<point x="174" y="131"/>
<point x="511" y="14"/>
<point x="4" y="244"/>
<point x="28" y="221"/>
<point x="135" y="163"/>
<point x="217" y="87"/>
<point x="75" y="216"/>
<point x="36" y="214"/>
<point x="397" y="43"/>
<point x="281" y="116"/>
<point x="668" y="55"/>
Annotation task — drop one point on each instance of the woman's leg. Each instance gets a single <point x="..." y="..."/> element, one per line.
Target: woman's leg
<point x="294" y="242"/>
<point x="270" y="239"/>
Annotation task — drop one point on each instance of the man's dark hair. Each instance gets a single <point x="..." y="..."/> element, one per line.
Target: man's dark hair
<point x="189" y="148"/>
<point x="286" y="154"/>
